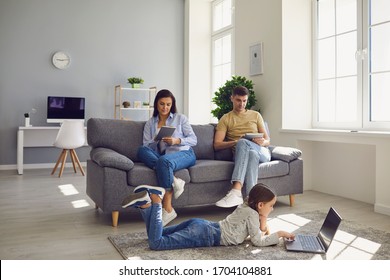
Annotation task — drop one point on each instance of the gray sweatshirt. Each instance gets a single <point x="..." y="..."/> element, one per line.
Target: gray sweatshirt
<point x="245" y="221"/>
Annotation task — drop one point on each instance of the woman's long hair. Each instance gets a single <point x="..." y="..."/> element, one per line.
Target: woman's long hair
<point x="162" y="94"/>
<point x="259" y="193"/>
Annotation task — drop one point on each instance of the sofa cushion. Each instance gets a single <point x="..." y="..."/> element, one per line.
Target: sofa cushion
<point x="204" y="149"/>
<point x="273" y="168"/>
<point x="211" y="171"/>
<point x="109" y="158"/>
<point x="286" y="154"/>
<point x="140" y="174"/>
<point x="127" y="140"/>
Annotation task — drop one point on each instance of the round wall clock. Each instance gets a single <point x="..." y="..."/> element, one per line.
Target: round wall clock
<point x="61" y="60"/>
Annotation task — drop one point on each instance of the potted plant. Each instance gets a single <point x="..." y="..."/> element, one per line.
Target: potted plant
<point x="145" y="104"/>
<point x="135" y="81"/>
<point x="222" y="96"/>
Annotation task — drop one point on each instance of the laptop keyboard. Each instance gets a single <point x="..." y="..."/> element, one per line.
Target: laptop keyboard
<point x="308" y="242"/>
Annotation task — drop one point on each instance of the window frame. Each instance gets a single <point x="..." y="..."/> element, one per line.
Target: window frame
<point x="363" y="121"/>
<point x="218" y="34"/>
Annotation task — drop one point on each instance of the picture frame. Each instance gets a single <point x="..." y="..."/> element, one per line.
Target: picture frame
<point x="256" y="59"/>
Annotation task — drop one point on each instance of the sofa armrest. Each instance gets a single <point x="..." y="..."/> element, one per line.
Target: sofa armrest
<point x="286" y="154"/>
<point x="108" y="158"/>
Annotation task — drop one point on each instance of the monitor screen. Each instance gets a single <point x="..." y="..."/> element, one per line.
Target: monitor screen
<point x="60" y="108"/>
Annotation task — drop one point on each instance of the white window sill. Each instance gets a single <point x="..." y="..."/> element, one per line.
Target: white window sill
<point x="352" y="133"/>
<point x="340" y="136"/>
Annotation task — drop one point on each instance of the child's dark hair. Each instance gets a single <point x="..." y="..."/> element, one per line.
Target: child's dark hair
<point x="259" y="193"/>
<point x="162" y="94"/>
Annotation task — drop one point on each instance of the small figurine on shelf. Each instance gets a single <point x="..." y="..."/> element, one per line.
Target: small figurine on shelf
<point x="135" y="81"/>
<point x="137" y="104"/>
<point x="126" y="104"/>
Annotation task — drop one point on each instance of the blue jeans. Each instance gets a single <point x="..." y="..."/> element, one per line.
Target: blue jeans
<point x="165" y="165"/>
<point x="247" y="158"/>
<point x="188" y="234"/>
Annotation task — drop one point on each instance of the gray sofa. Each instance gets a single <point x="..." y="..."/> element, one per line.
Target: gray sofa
<point x="114" y="169"/>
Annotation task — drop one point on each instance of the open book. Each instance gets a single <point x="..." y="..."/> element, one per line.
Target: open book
<point x="250" y="136"/>
<point x="165" y="131"/>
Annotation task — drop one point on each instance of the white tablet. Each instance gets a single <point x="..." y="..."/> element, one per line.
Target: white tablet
<point x="250" y="136"/>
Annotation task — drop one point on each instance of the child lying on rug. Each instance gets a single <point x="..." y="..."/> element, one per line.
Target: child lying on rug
<point x="249" y="218"/>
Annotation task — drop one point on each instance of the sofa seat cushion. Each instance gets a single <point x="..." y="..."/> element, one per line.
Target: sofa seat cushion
<point x="211" y="171"/>
<point x="273" y="168"/>
<point x="140" y="174"/>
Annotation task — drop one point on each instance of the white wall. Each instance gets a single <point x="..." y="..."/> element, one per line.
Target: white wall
<point x="261" y="21"/>
<point x="197" y="61"/>
<point x="335" y="166"/>
<point x="297" y="66"/>
<point x="108" y="41"/>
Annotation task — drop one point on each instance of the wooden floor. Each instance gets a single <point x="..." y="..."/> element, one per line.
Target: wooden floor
<point x="46" y="217"/>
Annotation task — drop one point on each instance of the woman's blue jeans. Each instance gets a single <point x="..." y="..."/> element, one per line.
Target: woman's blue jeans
<point x="247" y="158"/>
<point x="165" y="165"/>
<point x="188" y="234"/>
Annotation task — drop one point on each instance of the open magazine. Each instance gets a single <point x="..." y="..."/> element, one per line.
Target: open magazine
<point x="165" y="131"/>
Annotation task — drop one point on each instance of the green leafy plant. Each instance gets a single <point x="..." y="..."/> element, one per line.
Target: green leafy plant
<point x="135" y="80"/>
<point x="222" y="96"/>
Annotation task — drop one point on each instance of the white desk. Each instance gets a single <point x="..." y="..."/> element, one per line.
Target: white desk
<point x="35" y="136"/>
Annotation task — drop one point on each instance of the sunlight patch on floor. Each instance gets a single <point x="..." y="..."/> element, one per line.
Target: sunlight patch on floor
<point x="80" y="203"/>
<point x="287" y="222"/>
<point x="294" y="219"/>
<point x="68" y="189"/>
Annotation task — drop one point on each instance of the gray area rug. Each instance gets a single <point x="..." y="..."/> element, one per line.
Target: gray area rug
<point x="353" y="241"/>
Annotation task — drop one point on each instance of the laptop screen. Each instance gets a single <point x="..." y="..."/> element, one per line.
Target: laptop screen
<point x="329" y="228"/>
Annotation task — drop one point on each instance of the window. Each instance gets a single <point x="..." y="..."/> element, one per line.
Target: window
<point x="222" y="42"/>
<point x="352" y="64"/>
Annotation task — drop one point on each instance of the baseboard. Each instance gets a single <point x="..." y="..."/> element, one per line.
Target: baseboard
<point x="37" y="166"/>
<point x="382" y="209"/>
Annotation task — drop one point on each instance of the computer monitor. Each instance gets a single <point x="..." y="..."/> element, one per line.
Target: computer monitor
<point x="60" y="108"/>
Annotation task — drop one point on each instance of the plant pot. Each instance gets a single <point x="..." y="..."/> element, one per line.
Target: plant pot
<point x="136" y="85"/>
<point x="26" y="122"/>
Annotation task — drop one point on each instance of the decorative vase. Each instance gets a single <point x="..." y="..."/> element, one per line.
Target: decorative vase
<point x="27" y="122"/>
<point x="136" y="85"/>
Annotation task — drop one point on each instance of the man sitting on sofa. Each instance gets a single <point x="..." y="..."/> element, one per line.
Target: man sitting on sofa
<point x="247" y="153"/>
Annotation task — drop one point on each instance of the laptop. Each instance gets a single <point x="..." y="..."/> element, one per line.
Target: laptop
<point x="320" y="243"/>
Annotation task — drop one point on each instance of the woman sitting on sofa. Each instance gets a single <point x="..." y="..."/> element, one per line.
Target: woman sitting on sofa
<point x="170" y="153"/>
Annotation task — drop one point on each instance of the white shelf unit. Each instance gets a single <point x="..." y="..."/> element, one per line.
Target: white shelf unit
<point x="130" y="94"/>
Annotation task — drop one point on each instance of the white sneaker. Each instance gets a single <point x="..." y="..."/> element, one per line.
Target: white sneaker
<point x="151" y="189"/>
<point x="136" y="199"/>
<point x="168" y="217"/>
<point x="230" y="200"/>
<point x="178" y="187"/>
